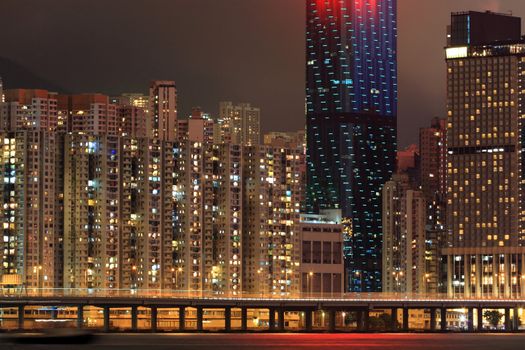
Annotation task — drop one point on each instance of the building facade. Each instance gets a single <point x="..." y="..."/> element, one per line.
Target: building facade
<point x="485" y="253"/>
<point x="351" y="122"/>
<point x="322" y="267"/>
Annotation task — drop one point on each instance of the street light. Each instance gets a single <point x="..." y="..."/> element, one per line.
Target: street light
<point x="177" y="277"/>
<point x="360" y="275"/>
<point x="259" y="280"/>
<point x="309" y="283"/>
<point x="133" y="279"/>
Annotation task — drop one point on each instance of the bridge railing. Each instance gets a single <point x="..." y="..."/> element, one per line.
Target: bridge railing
<point x="14" y="293"/>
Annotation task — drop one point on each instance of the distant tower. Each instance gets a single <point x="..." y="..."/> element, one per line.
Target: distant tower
<point x="162" y="123"/>
<point x="351" y="102"/>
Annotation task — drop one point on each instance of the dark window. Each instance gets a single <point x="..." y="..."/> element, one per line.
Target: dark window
<point x="307" y="252"/>
<point x="327" y="252"/>
<point x="316" y="253"/>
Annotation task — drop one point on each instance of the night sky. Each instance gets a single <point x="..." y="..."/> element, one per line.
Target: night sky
<point x="240" y="50"/>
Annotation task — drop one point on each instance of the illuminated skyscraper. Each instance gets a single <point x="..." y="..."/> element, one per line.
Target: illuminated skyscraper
<point x="485" y="205"/>
<point x="351" y="122"/>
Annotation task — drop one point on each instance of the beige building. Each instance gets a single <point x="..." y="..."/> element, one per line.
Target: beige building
<point x="321" y="254"/>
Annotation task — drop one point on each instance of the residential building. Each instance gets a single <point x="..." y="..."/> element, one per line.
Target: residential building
<point x="162" y="121"/>
<point x="272" y="196"/>
<point x="410" y="253"/>
<point x="239" y="124"/>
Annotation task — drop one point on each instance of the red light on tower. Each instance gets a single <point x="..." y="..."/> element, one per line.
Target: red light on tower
<point x="323" y="5"/>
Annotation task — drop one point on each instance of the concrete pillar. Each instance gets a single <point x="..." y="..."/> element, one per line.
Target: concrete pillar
<point x="227" y="319"/>
<point x="134" y="319"/>
<point x="244" y="319"/>
<point x="432" y="319"/>
<point x="106" y="319"/>
<point x="467" y="271"/>
<point x="281" y="320"/>
<point x="506" y="269"/>
<point x="308" y="320"/>
<point x="200" y="319"/>
<point x="154" y="315"/>
<point x="271" y="319"/>
<point x="80" y="316"/>
<point x="443" y="319"/>
<point x="393" y="319"/>
<point x="515" y="319"/>
<point x="522" y="276"/>
<point x="508" y="323"/>
<point x="331" y="321"/>
<point x="359" y="320"/>
<point x="470" y="319"/>
<point x="495" y="275"/>
<point x="406" y="319"/>
<point x="478" y="275"/>
<point x="480" y="319"/>
<point x="366" y="318"/>
<point x="450" y="272"/>
<point x="20" y="317"/>
<point x="182" y="318"/>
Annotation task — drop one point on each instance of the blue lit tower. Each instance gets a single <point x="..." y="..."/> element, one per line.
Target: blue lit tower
<point x="352" y="121"/>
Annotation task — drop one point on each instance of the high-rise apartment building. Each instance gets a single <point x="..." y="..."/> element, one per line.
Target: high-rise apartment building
<point x="208" y="196"/>
<point x="119" y="212"/>
<point x="273" y="192"/>
<point x="199" y="127"/>
<point x="31" y="219"/>
<point x="162" y="121"/>
<point x="132" y="99"/>
<point x="29" y="109"/>
<point x="239" y="124"/>
<point x="88" y="113"/>
<point x="351" y="122"/>
<point x="132" y="121"/>
<point x="285" y="139"/>
<point x="410" y="252"/>
<point x="433" y="158"/>
<point x="485" y="215"/>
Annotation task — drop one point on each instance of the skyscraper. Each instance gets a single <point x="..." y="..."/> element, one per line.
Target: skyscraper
<point x="485" y="215"/>
<point x="351" y="122"/>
